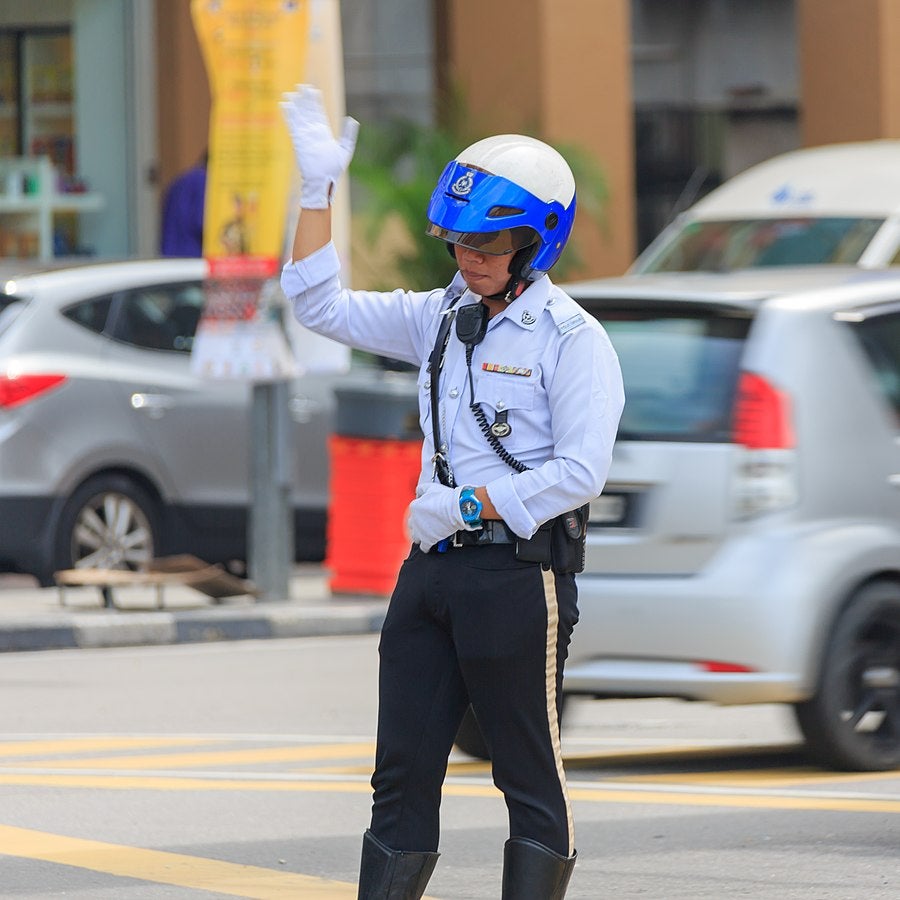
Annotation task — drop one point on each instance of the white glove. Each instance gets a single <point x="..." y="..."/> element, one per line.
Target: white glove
<point x="320" y="158"/>
<point x="435" y="515"/>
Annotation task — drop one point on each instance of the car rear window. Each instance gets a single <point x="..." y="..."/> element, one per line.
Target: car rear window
<point x="10" y="306"/>
<point x="92" y="314"/>
<point x="880" y="339"/>
<point x="160" y="317"/>
<point x="751" y="243"/>
<point x="680" y="364"/>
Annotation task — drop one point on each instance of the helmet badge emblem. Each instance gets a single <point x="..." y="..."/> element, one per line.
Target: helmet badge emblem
<point x="463" y="184"/>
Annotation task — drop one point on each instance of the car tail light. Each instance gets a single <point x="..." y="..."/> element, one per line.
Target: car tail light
<point x="762" y="417"/>
<point x="766" y="478"/>
<point x="18" y="389"/>
<point x="723" y="668"/>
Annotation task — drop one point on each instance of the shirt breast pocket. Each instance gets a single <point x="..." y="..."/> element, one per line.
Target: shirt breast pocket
<point x="510" y="402"/>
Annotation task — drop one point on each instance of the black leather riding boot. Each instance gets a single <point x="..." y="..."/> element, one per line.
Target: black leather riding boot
<point x="532" y="871"/>
<point x="386" y="874"/>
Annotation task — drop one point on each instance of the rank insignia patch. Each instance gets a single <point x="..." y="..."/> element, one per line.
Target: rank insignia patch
<point x="506" y="370"/>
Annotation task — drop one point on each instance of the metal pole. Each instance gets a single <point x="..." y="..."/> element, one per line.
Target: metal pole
<point x="271" y="538"/>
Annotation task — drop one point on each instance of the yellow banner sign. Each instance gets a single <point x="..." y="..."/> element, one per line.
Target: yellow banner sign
<point x="254" y="50"/>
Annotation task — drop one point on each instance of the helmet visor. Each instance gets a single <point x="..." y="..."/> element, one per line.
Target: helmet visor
<point x="494" y="243"/>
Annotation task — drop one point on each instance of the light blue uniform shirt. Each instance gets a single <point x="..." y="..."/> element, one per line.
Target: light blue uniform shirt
<point x="544" y="362"/>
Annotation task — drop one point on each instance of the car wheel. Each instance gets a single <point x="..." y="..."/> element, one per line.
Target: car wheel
<point x="853" y="721"/>
<point x="110" y="522"/>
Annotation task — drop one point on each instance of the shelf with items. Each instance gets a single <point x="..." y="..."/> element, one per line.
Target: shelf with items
<point x="9" y="98"/>
<point x="9" y="90"/>
<point x="47" y="108"/>
<point x="8" y="140"/>
<point x="49" y="73"/>
<point x="30" y="201"/>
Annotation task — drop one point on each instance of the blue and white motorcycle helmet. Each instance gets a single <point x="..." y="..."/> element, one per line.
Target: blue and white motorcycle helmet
<point x="507" y="194"/>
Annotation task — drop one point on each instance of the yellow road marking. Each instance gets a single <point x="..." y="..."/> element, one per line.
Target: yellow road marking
<point x="169" y="868"/>
<point x="218" y="757"/>
<point x="748" y="801"/>
<point x="600" y="794"/>
<point x="92" y="745"/>
<point x="174" y="783"/>
<point x="764" y="777"/>
<point x="461" y="769"/>
<point x="675" y="754"/>
<point x="470" y="768"/>
<point x="612" y="759"/>
<point x="152" y="763"/>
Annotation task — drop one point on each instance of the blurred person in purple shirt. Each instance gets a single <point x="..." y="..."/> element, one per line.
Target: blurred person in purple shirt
<point x="182" y="219"/>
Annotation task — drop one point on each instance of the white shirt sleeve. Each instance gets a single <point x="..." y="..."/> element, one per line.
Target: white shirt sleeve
<point x="393" y="324"/>
<point x="586" y="399"/>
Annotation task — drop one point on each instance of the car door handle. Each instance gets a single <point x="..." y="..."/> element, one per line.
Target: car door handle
<point x="154" y="405"/>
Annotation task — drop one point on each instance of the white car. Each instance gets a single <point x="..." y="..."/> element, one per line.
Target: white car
<point x="837" y="204"/>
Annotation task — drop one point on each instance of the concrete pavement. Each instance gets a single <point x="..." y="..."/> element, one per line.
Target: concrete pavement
<point x="34" y="618"/>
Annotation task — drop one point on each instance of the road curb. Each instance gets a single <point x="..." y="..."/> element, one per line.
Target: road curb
<point x="15" y="638"/>
<point x="124" y="628"/>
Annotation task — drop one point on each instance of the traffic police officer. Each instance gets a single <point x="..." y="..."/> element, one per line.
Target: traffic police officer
<point x="519" y="404"/>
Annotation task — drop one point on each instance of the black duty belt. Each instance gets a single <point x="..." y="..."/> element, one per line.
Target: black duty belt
<point x="492" y="532"/>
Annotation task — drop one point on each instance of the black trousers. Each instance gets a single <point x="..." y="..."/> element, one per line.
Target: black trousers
<point x="473" y="625"/>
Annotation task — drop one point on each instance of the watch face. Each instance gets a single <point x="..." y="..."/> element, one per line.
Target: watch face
<point x="469" y="509"/>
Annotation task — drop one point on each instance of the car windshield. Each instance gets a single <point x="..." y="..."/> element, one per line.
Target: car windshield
<point x="748" y="243"/>
<point x="680" y="367"/>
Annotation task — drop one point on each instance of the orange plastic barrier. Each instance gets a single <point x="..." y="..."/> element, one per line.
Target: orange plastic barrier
<point x="372" y="484"/>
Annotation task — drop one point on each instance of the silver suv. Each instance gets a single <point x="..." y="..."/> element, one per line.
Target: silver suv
<point x="747" y="546"/>
<point x="111" y="450"/>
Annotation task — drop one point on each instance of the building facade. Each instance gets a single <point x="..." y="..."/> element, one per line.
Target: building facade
<point x="670" y="97"/>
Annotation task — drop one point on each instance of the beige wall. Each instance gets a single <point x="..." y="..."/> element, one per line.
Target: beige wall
<point x="849" y="69"/>
<point x="183" y="88"/>
<point x="563" y="73"/>
<point x="565" y="76"/>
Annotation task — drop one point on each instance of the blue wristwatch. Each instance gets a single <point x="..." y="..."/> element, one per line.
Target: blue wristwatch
<point x="470" y="507"/>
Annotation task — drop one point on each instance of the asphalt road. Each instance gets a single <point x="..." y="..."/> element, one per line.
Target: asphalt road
<point x="241" y="769"/>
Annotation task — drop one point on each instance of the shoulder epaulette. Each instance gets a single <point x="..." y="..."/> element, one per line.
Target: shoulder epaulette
<point x="567" y="314"/>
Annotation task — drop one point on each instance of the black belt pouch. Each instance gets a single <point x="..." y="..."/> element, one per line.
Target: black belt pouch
<point x="567" y="538"/>
<point x="558" y="543"/>
<point x="537" y="547"/>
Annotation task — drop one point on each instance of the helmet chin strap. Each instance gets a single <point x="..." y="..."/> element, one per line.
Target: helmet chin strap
<point x="516" y="284"/>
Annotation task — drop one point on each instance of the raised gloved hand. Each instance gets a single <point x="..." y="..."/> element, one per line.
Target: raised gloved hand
<point x="435" y="515"/>
<point x="320" y="157"/>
